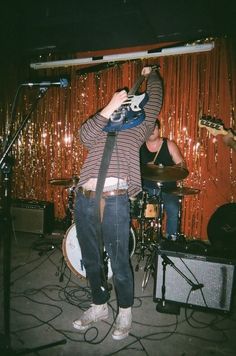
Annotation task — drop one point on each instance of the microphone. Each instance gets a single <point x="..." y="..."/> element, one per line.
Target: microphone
<point x="62" y="83"/>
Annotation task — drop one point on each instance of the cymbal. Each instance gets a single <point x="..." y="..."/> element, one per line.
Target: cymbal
<point x="66" y="182"/>
<point x="181" y="191"/>
<point x="163" y="173"/>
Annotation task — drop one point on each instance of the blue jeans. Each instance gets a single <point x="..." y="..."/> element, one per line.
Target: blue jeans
<point x="115" y="232"/>
<point x="171" y="206"/>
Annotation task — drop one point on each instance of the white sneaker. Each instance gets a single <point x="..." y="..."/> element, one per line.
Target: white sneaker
<point x="123" y="324"/>
<point x="93" y="314"/>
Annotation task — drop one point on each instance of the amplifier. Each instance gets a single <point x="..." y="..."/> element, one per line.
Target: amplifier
<point x="194" y="280"/>
<point x="32" y="216"/>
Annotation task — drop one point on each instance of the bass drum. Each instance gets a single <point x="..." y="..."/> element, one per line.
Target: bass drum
<point x="72" y="252"/>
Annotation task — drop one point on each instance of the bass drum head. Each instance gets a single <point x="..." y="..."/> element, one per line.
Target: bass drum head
<point x="72" y="252"/>
<point x="221" y="229"/>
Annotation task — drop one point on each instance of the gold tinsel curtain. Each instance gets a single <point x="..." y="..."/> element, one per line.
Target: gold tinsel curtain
<point x="195" y="84"/>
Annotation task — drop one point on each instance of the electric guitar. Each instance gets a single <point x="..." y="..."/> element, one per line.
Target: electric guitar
<point x="131" y="112"/>
<point x="215" y="126"/>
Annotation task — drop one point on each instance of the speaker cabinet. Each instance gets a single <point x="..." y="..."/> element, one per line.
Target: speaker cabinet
<point x="184" y="271"/>
<point x="32" y="216"/>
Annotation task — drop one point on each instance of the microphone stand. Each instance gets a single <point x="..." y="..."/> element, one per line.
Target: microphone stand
<point x="6" y="163"/>
<point x="164" y="306"/>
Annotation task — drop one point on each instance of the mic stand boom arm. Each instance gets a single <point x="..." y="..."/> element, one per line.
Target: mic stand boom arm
<point x="165" y="307"/>
<point x="193" y="285"/>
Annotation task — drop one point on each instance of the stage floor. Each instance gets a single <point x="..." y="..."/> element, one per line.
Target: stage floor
<point x="46" y="296"/>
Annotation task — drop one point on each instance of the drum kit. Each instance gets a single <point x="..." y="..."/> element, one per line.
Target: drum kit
<point x="146" y="211"/>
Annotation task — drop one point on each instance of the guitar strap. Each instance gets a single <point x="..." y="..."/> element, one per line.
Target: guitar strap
<point x="125" y="125"/>
<point x="106" y="157"/>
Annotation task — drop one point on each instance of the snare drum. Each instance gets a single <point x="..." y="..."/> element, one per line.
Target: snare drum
<point x="144" y="206"/>
<point x="72" y="252"/>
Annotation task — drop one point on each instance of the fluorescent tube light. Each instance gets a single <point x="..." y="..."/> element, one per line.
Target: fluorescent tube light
<point x="125" y="56"/>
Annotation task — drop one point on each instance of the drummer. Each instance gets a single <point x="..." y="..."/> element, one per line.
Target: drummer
<point x="160" y="150"/>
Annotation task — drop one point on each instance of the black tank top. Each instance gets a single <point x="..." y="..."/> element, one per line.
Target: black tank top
<point x="163" y="157"/>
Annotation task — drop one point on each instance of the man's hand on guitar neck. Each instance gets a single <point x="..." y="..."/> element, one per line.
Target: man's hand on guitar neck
<point x="229" y="140"/>
<point x="120" y="97"/>
<point x="116" y="101"/>
<point x="146" y="71"/>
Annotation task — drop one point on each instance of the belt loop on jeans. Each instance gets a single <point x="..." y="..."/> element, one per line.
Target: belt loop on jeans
<point x="92" y="193"/>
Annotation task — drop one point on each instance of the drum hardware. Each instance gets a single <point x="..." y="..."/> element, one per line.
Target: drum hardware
<point x="65" y="182"/>
<point x="149" y="267"/>
<point x="153" y="229"/>
<point x="146" y="236"/>
<point x="160" y="216"/>
<point x="147" y="227"/>
<point x="69" y="184"/>
<point x="181" y="191"/>
<point x="160" y="174"/>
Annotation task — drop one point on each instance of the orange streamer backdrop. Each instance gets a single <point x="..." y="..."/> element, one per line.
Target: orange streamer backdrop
<point x="195" y="84"/>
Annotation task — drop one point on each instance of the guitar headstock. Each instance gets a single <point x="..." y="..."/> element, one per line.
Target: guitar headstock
<point x="214" y="125"/>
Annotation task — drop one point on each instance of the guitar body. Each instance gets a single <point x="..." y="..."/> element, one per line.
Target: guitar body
<point x="126" y="124"/>
<point x="131" y="112"/>
<point x="131" y="109"/>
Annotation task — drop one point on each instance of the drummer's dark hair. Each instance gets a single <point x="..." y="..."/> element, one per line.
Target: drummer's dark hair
<point x="158" y="124"/>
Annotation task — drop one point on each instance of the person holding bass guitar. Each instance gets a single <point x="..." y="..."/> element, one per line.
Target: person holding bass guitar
<point x="122" y="181"/>
<point x="230" y="140"/>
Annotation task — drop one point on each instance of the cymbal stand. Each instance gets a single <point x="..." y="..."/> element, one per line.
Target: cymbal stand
<point x="179" y="216"/>
<point x="160" y="215"/>
<point x="150" y="262"/>
<point x="180" y="236"/>
<point x="141" y="233"/>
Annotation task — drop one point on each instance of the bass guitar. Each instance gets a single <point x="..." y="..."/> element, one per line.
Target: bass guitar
<point x="215" y="126"/>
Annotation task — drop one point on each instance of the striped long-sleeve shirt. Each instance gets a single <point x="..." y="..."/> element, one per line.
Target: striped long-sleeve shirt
<point x="125" y="163"/>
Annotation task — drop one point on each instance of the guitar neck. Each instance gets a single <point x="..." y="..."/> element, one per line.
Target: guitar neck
<point x="139" y="81"/>
<point x="134" y="89"/>
<point x="226" y="132"/>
